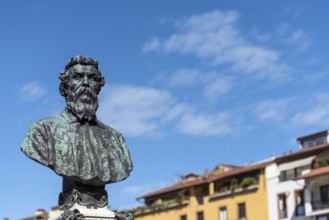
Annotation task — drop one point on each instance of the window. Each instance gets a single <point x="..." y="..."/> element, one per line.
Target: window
<point x="282" y="200"/>
<point x="200" y="200"/>
<point x="314" y="142"/>
<point x="283" y="175"/>
<point x="242" y="211"/>
<point x="320" y="140"/>
<point x="234" y="183"/>
<point x="324" y="194"/>
<point x="223" y="213"/>
<point x="299" y="201"/>
<point x="183" y="217"/>
<point x="298" y="171"/>
<point x="199" y="215"/>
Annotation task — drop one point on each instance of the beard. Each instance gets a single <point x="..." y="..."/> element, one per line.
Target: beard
<point x="83" y="102"/>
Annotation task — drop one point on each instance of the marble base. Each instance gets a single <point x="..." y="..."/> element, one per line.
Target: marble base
<point x="89" y="213"/>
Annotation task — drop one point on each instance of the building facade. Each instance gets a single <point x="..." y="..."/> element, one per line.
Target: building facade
<point x="226" y="193"/>
<point x="294" y="186"/>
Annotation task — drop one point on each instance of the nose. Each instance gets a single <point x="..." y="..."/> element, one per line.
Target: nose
<point x="85" y="81"/>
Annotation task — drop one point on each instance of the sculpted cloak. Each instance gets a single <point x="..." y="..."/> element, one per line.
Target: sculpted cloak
<point x="91" y="153"/>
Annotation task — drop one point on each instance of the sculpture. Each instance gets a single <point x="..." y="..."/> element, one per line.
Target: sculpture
<point x="75" y="144"/>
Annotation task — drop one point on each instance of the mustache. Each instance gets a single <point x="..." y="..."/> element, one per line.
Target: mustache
<point x="83" y="102"/>
<point x="86" y="90"/>
<point x="85" y="94"/>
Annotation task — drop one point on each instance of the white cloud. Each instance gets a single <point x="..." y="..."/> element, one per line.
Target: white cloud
<point x="138" y="190"/>
<point x="213" y="84"/>
<point x="137" y="111"/>
<point x="135" y="189"/>
<point x="206" y="125"/>
<point x="218" y="87"/>
<point x="214" y="36"/>
<point x="296" y="12"/>
<point x="209" y="21"/>
<point x="317" y="116"/>
<point x="272" y="109"/>
<point x="176" y="111"/>
<point x="297" y="112"/>
<point x="300" y="39"/>
<point x="152" y="45"/>
<point x="315" y="113"/>
<point x="31" y="91"/>
<point x="184" y="77"/>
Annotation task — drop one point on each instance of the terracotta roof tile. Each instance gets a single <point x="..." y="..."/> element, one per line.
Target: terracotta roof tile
<point x="318" y="134"/>
<point x="179" y="186"/>
<point x="175" y="187"/>
<point x="315" y="172"/>
<point x="35" y="216"/>
<point x="239" y="170"/>
<point x="301" y="153"/>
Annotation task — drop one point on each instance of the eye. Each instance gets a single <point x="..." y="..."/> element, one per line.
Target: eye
<point x="77" y="76"/>
<point x="92" y="77"/>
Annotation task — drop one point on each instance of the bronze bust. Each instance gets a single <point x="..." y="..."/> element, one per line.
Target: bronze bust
<point x="74" y="143"/>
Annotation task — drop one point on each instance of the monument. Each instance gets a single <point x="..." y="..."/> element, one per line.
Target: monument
<point x="86" y="153"/>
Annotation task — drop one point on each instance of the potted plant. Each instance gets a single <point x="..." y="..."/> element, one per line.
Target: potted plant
<point x="248" y="181"/>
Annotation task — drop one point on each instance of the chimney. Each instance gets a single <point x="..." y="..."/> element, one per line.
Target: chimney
<point x="40" y="212"/>
<point x="206" y="173"/>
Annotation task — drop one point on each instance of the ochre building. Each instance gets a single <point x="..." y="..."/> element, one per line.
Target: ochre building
<point x="228" y="192"/>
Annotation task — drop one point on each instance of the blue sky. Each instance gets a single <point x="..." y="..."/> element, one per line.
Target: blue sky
<point x="191" y="84"/>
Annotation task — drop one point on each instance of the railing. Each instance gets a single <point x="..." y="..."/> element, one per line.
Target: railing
<point x="233" y="191"/>
<point x="287" y="177"/>
<point x="317" y="205"/>
<point x="159" y="207"/>
<point x="300" y="210"/>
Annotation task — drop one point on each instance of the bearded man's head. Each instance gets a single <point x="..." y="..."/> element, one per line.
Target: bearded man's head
<point x="81" y="82"/>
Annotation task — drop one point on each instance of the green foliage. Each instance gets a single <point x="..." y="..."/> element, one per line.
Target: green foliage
<point x="248" y="181"/>
<point x="323" y="163"/>
<point x="181" y="196"/>
<point x="234" y="187"/>
<point x="224" y="189"/>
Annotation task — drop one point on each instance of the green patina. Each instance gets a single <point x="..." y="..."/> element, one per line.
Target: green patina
<point x="74" y="143"/>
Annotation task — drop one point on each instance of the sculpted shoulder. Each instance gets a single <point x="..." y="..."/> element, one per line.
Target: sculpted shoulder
<point x="40" y="126"/>
<point x="49" y="121"/>
<point x="109" y="129"/>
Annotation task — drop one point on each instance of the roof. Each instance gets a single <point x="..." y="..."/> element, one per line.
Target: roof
<point x="175" y="187"/>
<point x="315" y="135"/>
<point x="227" y="165"/>
<point x="315" y="172"/>
<point x="302" y="153"/>
<point x="35" y="216"/>
<point x="239" y="170"/>
<point x="214" y="177"/>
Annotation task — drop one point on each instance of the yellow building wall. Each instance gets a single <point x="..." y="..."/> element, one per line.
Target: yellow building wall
<point x="171" y="214"/>
<point x="255" y="201"/>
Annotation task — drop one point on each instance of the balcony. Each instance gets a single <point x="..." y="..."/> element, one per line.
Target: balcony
<point x="287" y="177"/>
<point x="319" y="205"/>
<point x="233" y="191"/>
<point x="300" y="210"/>
<point x="160" y="207"/>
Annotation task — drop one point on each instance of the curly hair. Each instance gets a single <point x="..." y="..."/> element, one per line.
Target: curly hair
<point x="83" y="60"/>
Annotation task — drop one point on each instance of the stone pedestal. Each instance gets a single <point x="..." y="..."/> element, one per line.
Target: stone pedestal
<point x="88" y="213"/>
<point x="79" y="201"/>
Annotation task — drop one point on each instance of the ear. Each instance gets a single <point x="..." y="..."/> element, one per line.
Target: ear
<point x="63" y="89"/>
